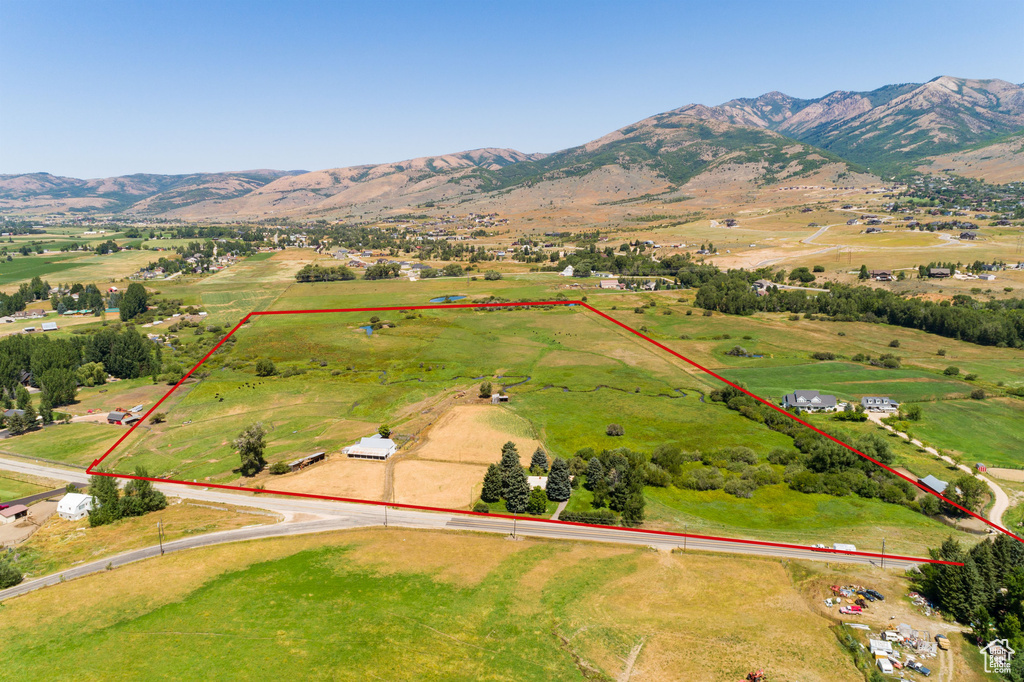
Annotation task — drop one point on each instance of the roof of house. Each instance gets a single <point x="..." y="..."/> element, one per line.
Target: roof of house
<point x="810" y="398"/>
<point x="876" y="400"/>
<point x="49" y="326"/>
<point x="70" y="501"/>
<point x="13" y="510"/>
<point x="117" y="415"/>
<point x="300" y="460"/>
<point x="939" y="271"/>
<point x="11" y="413"/>
<point x="375" y="442"/>
<point x="935" y="484"/>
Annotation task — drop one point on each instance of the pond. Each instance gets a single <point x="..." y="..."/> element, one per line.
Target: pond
<point x="446" y="299"/>
<point x="369" y="330"/>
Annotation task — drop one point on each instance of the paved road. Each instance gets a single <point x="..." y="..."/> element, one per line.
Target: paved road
<point x="329" y="515"/>
<point x="35" y="498"/>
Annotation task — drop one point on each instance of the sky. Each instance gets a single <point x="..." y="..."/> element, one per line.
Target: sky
<point x="99" y="88"/>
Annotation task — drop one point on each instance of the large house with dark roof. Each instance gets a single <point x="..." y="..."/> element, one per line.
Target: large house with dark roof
<point x="810" y="401"/>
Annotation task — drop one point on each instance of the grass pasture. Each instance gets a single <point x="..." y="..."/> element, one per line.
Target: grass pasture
<point x="989" y="431"/>
<point x="408" y="600"/>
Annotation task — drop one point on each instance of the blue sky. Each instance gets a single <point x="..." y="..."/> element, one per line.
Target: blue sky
<point x="90" y="88"/>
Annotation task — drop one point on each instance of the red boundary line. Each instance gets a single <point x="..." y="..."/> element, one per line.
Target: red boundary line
<point x="761" y="543"/>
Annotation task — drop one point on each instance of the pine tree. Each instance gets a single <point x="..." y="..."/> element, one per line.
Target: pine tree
<point x="539" y="462"/>
<point x="22" y="396"/>
<point x="509" y="465"/>
<point x="106" y="500"/>
<point x="140" y="497"/>
<point x="517" y="494"/>
<point x="595" y="473"/>
<point x="492" y="484"/>
<point x="559" y="484"/>
<point x="863" y="272"/>
<point x="538" y="501"/>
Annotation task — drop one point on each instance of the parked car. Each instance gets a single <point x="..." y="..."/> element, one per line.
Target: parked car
<point x="917" y="667"/>
<point x="877" y="595"/>
<point x="850" y="609"/>
<point x="866" y="594"/>
<point x="861" y="603"/>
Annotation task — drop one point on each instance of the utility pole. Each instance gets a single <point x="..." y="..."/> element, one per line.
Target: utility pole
<point x="684" y="537"/>
<point x="513" y="527"/>
<point x="385" y="516"/>
<point x="883" y="552"/>
<point x="160" y="535"/>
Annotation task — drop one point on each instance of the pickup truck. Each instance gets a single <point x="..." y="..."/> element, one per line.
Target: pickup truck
<point x="942" y="641"/>
<point x="850" y="609"/>
<point x="918" y="668"/>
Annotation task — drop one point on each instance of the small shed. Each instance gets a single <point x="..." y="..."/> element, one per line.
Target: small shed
<point x="74" y="506"/>
<point x="981" y="467"/>
<point x="13" y="513"/>
<point x="499" y="398"/>
<point x="303" y="462"/>
<point x="49" y="326"/>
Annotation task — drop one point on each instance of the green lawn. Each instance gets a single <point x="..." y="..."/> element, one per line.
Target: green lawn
<point x="989" y="431"/>
<point x="848" y="381"/>
<point x="13" y="488"/>
<point x="24" y="268"/>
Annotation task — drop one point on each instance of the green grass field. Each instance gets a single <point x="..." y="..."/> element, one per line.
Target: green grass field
<point x="989" y="431"/>
<point x="24" y="268"/>
<point x="406" y="604"/>
<point x="13" y="487"/>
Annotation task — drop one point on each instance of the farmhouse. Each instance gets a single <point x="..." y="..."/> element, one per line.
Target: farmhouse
<point x="122" y="418"/>
<point x="303" y="462"/>
<point x="873" y="230"/>
<point x="938" y="272"/>
<point x="881" y="275"/>
<point x="810" y="401"/>
<point x="611" y="284"/>
<point x="968" y="236"/>
<point x="374" y="447"/>
<point x="877" y="404"/>
<point x="74" y="506"/>
<point x="933" y="483"/>
<point x="13" y="513"/>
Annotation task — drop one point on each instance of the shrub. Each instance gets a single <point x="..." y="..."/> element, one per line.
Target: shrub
<point x="265" y="368"/>
<point x="951" y="371"/>
<point x="158" y="417"/>
<point x="740" y="487"/>
<point x="492" y="275"/>
<point x="485" y="389"/>
<point x="601" y="517"/>
<point x="278" y="468"/>
<point x="708" y="313"/>
<point x="818" y="268"/>
<point x="783" y="456"/>
<point x="977" y="394"/>
<point x="482" y="507"/>
<point x="614" y="430"/>
<point x="941" y="352"/>
<point x="703" y="478"/>
<point x="737" y="351"/>
<point x="9" y="574"/>
<point x="823" y="355"/>
<point x="740" y="454"/>
<point x="894" y="343"/>
<point x="970" y="377"/>
<point x="538" y="502"/>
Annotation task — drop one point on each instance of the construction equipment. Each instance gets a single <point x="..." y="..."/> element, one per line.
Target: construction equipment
<point x="756" y="676"/>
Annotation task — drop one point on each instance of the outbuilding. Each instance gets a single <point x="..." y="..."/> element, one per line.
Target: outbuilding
<point x="74" y="506"/>
<point x="933" y="483"/>
<point x="374" y="447"/>
<point x="13" y="513"/>
<point x="303" y="462"/>
<point x="49" y="326"/>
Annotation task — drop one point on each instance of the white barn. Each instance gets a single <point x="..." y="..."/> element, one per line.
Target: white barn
<point x="374" y="447"/>
<point x="74" y="506"/>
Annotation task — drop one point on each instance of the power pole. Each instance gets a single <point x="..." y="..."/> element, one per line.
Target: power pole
<point x="883" y="552"/>
<point x="684" y="537"/>
<point x="513" y="527"/>
<point x="160" y="535"/>
<point x="385" y="516"/>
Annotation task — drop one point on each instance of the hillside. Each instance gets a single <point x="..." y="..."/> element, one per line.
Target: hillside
<point x="1000" y="162"/>
<point x="889" y="128"/>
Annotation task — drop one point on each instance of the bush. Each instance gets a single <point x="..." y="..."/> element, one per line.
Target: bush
<point x="740" y="487"/>
<point x="737" y="351"/>
<point x="941" y="352"/>
<point x="783" y="456"/>
<point x="703" y="478"/>
<point x="538" y="502"/>
<point x="482" y="507"/>
<point x="265" y="368"/>
<point x="951" y="371"/>
<point x="614" y="430"/>
<point x="740" y="454"/>
<point x="818" y="268"/>
<point x="158" y="417"/>
<point x="894" y="343"/>
<point x="278" y="468"/>
<point x="601" y="517"/>
<point x="971" y="377"/>
<point x="492" y="275"/>
<point x="485" y="389"/>
<point x="823" y="355"/>
<point x="9" y="574"/>
<point x="977" y="394"/>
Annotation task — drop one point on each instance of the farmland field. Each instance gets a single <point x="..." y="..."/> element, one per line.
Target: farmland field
<point x="525" y="610"/>
<point x="989" y="431"/>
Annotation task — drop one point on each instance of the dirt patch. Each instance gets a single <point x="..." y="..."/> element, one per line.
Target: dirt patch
<point x="438" y="484"/>
<point x="1007" y="474"/>
<point x="338" y="476"/>
<point x="471" y="434"/>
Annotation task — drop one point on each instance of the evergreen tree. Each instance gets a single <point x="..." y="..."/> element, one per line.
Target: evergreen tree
<point x="250" y="445"/>
<point x="492" y="484"/>
<point x="45" y="410"/>
<point x="9" y="574"/>
<point x="559" y="484"/>
<point x="16" y="425"/>
<point x="509" y="465"/>
<point x="863" y="274"/>
<point x="22" y="397"/>
<point x="140" y="497"/>
<point x="517" y="494"/>
<point x="106" y="502"/>
<point x="595" y="473"/>
<point x="539" y="462"/>
<point x="633" y="511"/>
<point x="133" y="302"/>
<point x="538" y="501"/>
<point x="485" y="389"/>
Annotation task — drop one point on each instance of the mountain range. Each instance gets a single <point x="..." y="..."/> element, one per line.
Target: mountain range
<point x="670" y="157"/>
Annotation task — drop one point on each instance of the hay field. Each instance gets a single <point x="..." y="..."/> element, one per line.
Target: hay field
<point x="524" y="610"/>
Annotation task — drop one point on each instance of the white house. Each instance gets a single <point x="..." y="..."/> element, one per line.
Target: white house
<point x="537" y="482"/>
<point x="810" y="401"/>
<point x="879" y="404"/>
<point x="374" y="447"/>
<point x="74" y="506"/>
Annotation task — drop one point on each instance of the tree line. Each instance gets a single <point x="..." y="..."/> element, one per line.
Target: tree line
<point x="990" y="323"/>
